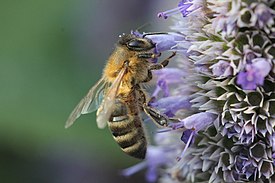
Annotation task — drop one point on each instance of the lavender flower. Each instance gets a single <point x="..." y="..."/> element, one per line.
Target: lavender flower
<point x="220" y="96"/>
<point x="254" y="74"/>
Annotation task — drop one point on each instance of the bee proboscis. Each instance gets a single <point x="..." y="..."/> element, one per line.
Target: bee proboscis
<point x="123" y="98"/>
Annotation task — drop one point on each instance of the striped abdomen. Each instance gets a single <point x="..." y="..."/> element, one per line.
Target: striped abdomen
<point x="126" y="127"/>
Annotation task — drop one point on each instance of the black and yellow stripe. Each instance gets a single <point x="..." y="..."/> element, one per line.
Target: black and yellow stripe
<point x="128" y="132"/>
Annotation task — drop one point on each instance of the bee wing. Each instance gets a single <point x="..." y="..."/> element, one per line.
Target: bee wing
<point x="97" y="98"/>
<point x="107" y="106"/>
<point x="89" y="103"/>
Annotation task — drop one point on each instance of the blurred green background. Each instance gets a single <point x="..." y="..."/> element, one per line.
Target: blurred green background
<point x="51" y="53"/>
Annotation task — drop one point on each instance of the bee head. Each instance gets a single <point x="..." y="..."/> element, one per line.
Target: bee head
<point x="135" y="43"/>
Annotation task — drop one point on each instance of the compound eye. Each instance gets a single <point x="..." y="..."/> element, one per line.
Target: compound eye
<point x="136" y="44"/>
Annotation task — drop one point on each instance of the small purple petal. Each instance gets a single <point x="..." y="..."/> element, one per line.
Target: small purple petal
<point x="136" y="33"/>
<point x="273" y="142"/>
<point x="265" y="15"/>
<point x="165" y="41"/>
<point x="254" y="74"/>
<point x="167" y="76"/>
<point x="133" y="169"/>
<point x="262" y="66"/>
<point x="183" y="7"/>
<point x="249" y="56"/>
<point x="163" y="85"/>
<point x="172" y="104"/>
<point x="171" y="75"/>
<point x="240" y="162"/>
<point x="188" y="143"/>
<point x="186" y="135"/>
<point x="156" y="92"/>
<point x="249" y="169"/>
<point x="222" y="68"/>
<point x="152" y="174"/>
<point x="199" y="121"/>
<point x="245" y="82"/>
<point x="155" y="157"/>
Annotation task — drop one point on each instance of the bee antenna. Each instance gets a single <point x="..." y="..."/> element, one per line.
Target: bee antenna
<point x="143" y="26"/>
<point x="153" y="33"/>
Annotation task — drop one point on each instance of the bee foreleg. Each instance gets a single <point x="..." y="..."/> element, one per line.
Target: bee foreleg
<point x="162" y="64"/>
<point x="149" y="55"/>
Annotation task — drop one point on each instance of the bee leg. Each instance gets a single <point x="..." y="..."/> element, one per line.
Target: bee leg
<point x="141" y="96"/>
<point x="157" y="118"/>
<point x="149" y="55"/>
<point x="149" y="77"/>
<point x="164" y="63"/>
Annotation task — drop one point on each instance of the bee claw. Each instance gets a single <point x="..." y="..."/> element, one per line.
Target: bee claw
<point x="156" y="55"/>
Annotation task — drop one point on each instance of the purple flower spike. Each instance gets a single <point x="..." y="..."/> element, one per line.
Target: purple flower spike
<point x="254" y="74"/>
<point x="182" y="8"/>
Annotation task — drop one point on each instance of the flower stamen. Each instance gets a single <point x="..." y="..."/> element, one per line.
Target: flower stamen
<point x="182" y="8"/>
<point x="187" y="145"/>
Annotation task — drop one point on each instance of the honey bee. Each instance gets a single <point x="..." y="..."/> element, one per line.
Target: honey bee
<point x="118" y="96"/>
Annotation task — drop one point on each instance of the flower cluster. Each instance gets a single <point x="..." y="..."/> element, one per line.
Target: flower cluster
<point x="222" y="93"/>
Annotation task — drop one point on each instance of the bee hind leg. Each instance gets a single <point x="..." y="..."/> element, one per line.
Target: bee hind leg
<point x="155" y="115"/>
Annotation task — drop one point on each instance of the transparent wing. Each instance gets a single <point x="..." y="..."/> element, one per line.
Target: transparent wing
<point x="107" y="106"/>
<point x="97" y="99"/>
<point x="89" y="103"/>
